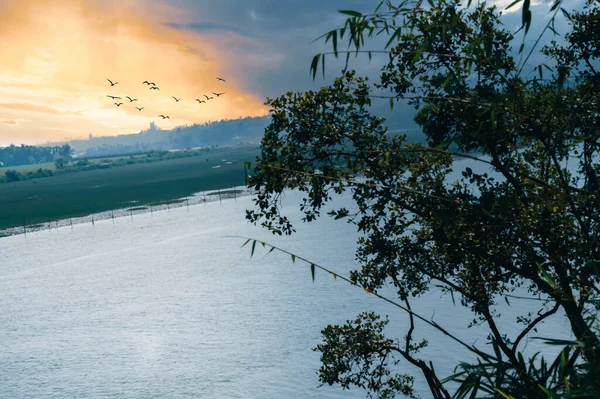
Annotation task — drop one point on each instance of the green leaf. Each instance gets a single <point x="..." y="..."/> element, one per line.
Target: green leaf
<point x="247" y="241"/>
<point x="334" y="276"/>
<point x="351" y="13"/>
<point x="504" y="395"/>
<point x="323" y="65"/>
<point x="391" y="104"/>
<point x="293" y="258"/>
<point x="393" y="37"/>
<point x="511" y="5"/>
<point x="271" y="250"/>
<point x="314" y="64"/>
<point x="334" y="42"/>
<point x="253" y="247"/>
<point x="312" y="271"/>
<point x="526" y="16"/>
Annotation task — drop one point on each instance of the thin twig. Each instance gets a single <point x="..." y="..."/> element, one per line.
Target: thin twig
<point x="404" y="308"/>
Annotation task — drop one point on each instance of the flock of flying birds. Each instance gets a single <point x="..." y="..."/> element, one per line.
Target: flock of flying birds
<point x="154" y="87"/>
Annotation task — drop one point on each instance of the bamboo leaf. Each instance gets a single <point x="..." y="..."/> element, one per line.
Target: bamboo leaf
<point x="334" y="276"/>
<point x="314" y="64"/>
<point x="504" y="395"/>
<point x="351" y="13"/>
<point x="566" y="14"/>
<point x="293" y="258"/>
<point x="253" y="247"/>
<point x="271" y="250"/>
<point x="393" y="37"/>
<point x="514" y="3"/>
<point x="323" y="65"/>
<point x="334" y="42"/>
<point x="247" y="241"/>
<point x="391" y="104"/>
<point x="526" y="16"/>
<point x="312" y="271"/>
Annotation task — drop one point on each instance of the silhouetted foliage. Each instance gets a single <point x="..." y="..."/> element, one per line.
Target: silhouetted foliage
<point x="13" y="175"/>
<point x="534" y="227"/>
<point x="29" y="154"/>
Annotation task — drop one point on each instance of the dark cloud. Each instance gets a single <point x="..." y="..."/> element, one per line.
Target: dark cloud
<point x="273" y="40"/>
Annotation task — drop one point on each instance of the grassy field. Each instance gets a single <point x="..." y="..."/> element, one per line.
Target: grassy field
<point x="77" y="194"/>
<point x="28" y="168"/>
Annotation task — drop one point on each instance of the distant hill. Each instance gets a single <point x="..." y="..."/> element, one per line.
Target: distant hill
<point x="248" y="130"/>
<point x="221" y="133"/>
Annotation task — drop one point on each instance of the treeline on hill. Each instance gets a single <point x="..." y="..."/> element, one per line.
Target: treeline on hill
<point x="248" y="130"/>
<point x="30" y="155"/>
<point x="220" y="133"/>
<point x="63" y="165"/>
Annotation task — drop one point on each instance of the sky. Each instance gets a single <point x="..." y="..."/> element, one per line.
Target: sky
<point x="56" y="57"/>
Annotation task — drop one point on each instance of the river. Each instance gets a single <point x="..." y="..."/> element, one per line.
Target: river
<point x="167" y="305"/>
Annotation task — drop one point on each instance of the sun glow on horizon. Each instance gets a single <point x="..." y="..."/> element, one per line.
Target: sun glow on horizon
<point x="57" y="54"/>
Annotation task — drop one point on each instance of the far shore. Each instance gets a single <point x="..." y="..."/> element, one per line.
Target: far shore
<point x="194" y="199"/>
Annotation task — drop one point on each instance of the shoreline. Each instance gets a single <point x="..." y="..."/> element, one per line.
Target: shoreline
<point x="193" y="199"/>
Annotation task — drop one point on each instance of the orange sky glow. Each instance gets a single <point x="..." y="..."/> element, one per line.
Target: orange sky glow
<point x="56" y="55"/>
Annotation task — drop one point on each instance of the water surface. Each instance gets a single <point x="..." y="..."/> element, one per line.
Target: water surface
<point x="167" y="305"/>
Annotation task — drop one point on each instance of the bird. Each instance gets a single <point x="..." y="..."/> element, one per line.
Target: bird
<point x="111" y="83"/>
<point x="176" y="99"/>
<point x="218" y="94"/>
<point x="152" y="83"/>
<point x="139" y="109"/>
<point x="164" y="117"/>
<point x="154" y="88"/>
<point x="131" y="99"/>
<point x="145" y="82"/>
<point x="207" y="97"/>
<point x="118" y="104"/>
<point x="200" y="101"/>
<point x="221" y="79"/>
<point x="114" y="98"/>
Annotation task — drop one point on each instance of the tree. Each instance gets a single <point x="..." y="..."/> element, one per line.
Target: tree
<point x="536" y="227"/>
<point x="13" y="175"/>
<point x="66" y="152"/>
<point x="60" y="163"/>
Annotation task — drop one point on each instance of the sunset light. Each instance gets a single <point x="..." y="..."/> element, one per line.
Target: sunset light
<point x="58" y="54"/>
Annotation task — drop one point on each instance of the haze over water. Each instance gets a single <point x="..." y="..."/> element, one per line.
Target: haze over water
<point x="166" y="305"/>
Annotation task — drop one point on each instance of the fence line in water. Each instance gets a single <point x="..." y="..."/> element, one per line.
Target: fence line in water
<point x="198" y="198"/>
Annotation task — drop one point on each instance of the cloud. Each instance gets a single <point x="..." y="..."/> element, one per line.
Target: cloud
<point x="57" y="54"/>
<point x="31" y="107"/>
<point x="9" y="122"/>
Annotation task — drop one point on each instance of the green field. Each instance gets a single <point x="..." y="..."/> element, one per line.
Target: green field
<point x="82" y="193"/>
<point x="28" y="168"/>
